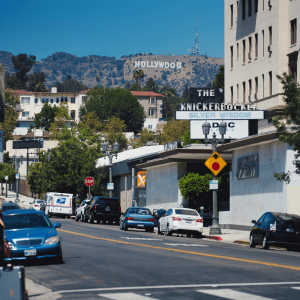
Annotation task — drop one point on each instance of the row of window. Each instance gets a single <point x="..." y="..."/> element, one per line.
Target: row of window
<point x="253" y="89"/>
<point x="26" y="100"/>
<point x="247" y="8"/>
<point x="250" y="50"/>
<point x="26" y="114"/>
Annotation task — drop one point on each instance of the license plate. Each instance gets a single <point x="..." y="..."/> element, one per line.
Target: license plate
<point x="188" y="222"/>
<point x="290" y="230"/>
<point x="107" y="209"/>
<point x="140" y="225"/>
<point x="31" y="252"/>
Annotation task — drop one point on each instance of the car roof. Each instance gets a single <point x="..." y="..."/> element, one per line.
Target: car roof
<point x="105" y="198"/>
<point x="9" y="204"/>
<point x="22" y="212"/>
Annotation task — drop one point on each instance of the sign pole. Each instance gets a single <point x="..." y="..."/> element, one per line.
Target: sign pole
<point x="6" y="186"/>
<point x="89" y="192"/>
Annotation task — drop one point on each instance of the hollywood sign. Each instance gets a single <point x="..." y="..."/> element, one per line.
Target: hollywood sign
<point x="157" y="64"/>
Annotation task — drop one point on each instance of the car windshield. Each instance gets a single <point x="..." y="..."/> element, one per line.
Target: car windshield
<point x="25" y="221"/>
<point x="109" y="203"/>
<point x="286" y="217"/>
<point x="38" y="201"/>
<point x="186" y="212"/>
<point x="8" y="207"/>
<point x="140" y="211"/>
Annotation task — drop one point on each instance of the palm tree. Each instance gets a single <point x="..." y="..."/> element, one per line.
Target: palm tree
<point x="138" y="74"/>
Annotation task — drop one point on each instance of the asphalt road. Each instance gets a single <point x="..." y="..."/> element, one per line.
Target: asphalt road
<point x="103" y="262"/>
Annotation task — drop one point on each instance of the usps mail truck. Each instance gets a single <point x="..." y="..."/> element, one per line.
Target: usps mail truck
<point x="58" y="204"/>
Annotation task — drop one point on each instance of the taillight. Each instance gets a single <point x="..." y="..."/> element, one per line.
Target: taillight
<point x="36" y="205"/>
<point x="273" y="227"/>
<point x="119" y="209"/>
<point x="176" y="219"/>
<point x="151" y="220"/>
<point x="130" y="218"/>
<point x="95" y="207"/>
<point x="199" y="220"/>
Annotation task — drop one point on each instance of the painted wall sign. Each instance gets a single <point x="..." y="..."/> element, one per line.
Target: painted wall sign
<point x="219" y="115"/>
<point x="157" y="64"/>
<point x="236" y="129"/>
<point x="247" y="167"/>
<point x="141" y="179"/>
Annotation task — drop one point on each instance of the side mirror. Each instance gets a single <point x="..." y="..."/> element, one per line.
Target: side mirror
<point x="57" y="225"/>
<point x="253" y="222"/>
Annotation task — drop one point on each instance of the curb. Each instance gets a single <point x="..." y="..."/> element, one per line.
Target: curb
<point x="213" y="237"/>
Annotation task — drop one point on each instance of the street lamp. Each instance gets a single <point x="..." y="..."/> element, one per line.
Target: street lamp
<point x="18" y="162"/>
<point x="215" y="228"/>
<point x="107" y="151"/>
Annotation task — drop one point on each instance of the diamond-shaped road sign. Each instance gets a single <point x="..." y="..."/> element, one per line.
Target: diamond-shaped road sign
<point x="215" y="163"/>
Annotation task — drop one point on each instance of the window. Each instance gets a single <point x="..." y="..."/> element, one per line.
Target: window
<point x="249" y="8"/>
<point x="237" y="50"/>
<point x="270" y="83"/>
<point x="263" y="5"/>
<point x="25" y="100"/>
<point x="43" y="100"/>
<point x="270" y="35"/>
<point x="237" y="91"/>
<point x="152" y="112"/>
<point x="35" y="101"/>
<point x="256" y="86"/>
<point x="72" y="99"/>
<point x="261" y="219"/>
<point x="231" y="94"/>
<point x="263" y="85"/>
<point x="237" y="8"/>
<point x="152" y="101"/>
<point x="72" y="115"/>
<point x="255" y="6"/>
<point x="57" y="99"/>
<point x="244" y="51"/>
<point x="149" y="126"/>
<point x="66" y="99"/>
<point x="244" y="91"/>
<point x="231" y="15"/>
<point x="25" y="114"/>
<point x="256" y="45"/>
<point x="243" y="10"/>
<point x="250" y="88"/>
<point x="263" y="43"/>
<point x="61" y="99"/>
<point x="231" y="57"/>
<point x="51" y="100"/>
<point x="250" y="48"/>
<point x="293" y="31"/>
<point x="293" y="61"/>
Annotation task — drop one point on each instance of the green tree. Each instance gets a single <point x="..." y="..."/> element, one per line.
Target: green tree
<point x="6" y="169"/>
<point x="288" y="124"/>
<point x="138" y="75"/>
<point x="145" y="137"/>
<point x="172" y="131"/>
<point x="35" y="82"/>
<point x="135" y="87"/>
<point x="151" y="86"/>
<point x="219" y="81"/>
<point x="70" y="85"/>
<point x="170" y="105"/>
<point x="186" y="140"/>
<point x="195" y="187"/>
<point x="186" y="92"/>
<point x="168" y="91"/>
<point x="118" y="102"/>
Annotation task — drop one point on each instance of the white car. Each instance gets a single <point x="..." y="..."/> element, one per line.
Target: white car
<point x="36" y="204"/>
<point x="79" y="214"/>
<point x="181" y="220"/>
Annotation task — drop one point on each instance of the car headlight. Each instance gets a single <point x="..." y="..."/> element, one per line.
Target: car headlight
<point x="11" y="246"/>
<point x="52" y="240"/>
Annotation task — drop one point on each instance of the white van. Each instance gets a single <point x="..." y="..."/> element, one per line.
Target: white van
<point x="58" y="204"/>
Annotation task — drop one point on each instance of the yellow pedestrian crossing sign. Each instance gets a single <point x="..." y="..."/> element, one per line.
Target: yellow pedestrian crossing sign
<point x="215" y="163"/>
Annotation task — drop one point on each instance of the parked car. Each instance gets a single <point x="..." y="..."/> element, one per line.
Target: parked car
<point x="277" y="229"/>
<point x="79" y="213"/>
<point x="181" y="220"/>
<point x="31" y="235"/>
<point x="9" y="205"/>
<point x="137" y="217"/>
<point x="157" y="215"/>
<point x="103" y="208"/>
<point x="36" y="204"/>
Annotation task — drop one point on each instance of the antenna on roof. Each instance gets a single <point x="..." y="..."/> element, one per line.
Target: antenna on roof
<point x="195" y="50"/>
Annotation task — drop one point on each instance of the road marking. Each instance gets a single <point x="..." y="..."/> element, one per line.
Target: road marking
<point x="233" y="295"/>
<point x="174" y="287"/>
<point x="187" y="245"/>
<point x="143" y="239"/>
<point x="125" y="296"/>
<point x="188" y="252"/>
<point x="296" y="288"/>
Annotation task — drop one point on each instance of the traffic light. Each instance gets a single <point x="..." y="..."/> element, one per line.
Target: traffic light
<point x="2" y="93"/>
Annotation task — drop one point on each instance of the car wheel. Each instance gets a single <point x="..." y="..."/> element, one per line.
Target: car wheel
<point x="117" y="222"/>
<point x="265" y="244"/>
<point x="251" y="243"/>
<point x="125" y="227"/>
<point x="197" y="234"/>
<point x="168" y="232"/>
<point x="188" y="235"/>
<point x="98" y="221"/>
<point x="151" y="229"/>
<point x="158" y="229"/>
<point x="91" y="220"/>
<point x="76" y="218"/>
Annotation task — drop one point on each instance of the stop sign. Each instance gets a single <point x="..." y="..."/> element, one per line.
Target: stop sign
<point x="89" y="181"/>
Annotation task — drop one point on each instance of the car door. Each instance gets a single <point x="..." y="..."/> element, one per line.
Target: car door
<point x="122" y="219"/>
<point x="265" y="227"/>
<point x="168" y="218"/>
<point x="257" y="230"/>
<point x="162" y="222"/>
<point x="88" y="208"/>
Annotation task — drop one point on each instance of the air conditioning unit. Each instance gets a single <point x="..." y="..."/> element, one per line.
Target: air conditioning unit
<point x="270" y="48"/>
<point x="249" y="55"/>
<point x="255" y="96"/>
<point x="270" y="3"/>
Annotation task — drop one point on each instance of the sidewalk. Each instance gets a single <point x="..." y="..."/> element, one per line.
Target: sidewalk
<point x="11" y="196"/>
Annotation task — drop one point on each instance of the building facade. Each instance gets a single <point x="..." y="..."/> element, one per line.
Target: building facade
<point x="260" y="43"/>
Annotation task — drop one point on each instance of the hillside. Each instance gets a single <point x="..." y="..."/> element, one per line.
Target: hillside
<point x="196" y="71"/>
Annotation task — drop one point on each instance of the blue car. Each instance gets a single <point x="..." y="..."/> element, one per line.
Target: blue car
<point x="137" y="217"/>
<point x="31" y="235"/>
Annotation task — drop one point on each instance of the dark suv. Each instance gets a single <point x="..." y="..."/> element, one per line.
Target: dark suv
<point x="103" y="208"/>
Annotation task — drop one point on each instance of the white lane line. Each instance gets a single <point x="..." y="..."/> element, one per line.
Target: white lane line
<point x="188" y="245"/>
<point x="125" y="296"/>
<point x="142" y="239"/>
<point x="173" y="287"/>
<point x="296" y="287"/>
<point x="233" y="295"/>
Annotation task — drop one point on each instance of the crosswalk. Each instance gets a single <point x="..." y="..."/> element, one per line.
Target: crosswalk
<point x="220" y="293"/>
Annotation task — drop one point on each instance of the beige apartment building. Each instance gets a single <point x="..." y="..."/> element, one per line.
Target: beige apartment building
<point x="261" y="41"/>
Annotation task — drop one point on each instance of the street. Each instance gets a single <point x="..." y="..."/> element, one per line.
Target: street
<point x="103" y="262"/>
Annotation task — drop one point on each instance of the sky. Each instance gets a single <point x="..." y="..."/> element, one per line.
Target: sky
<point x="110" y="27"/>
